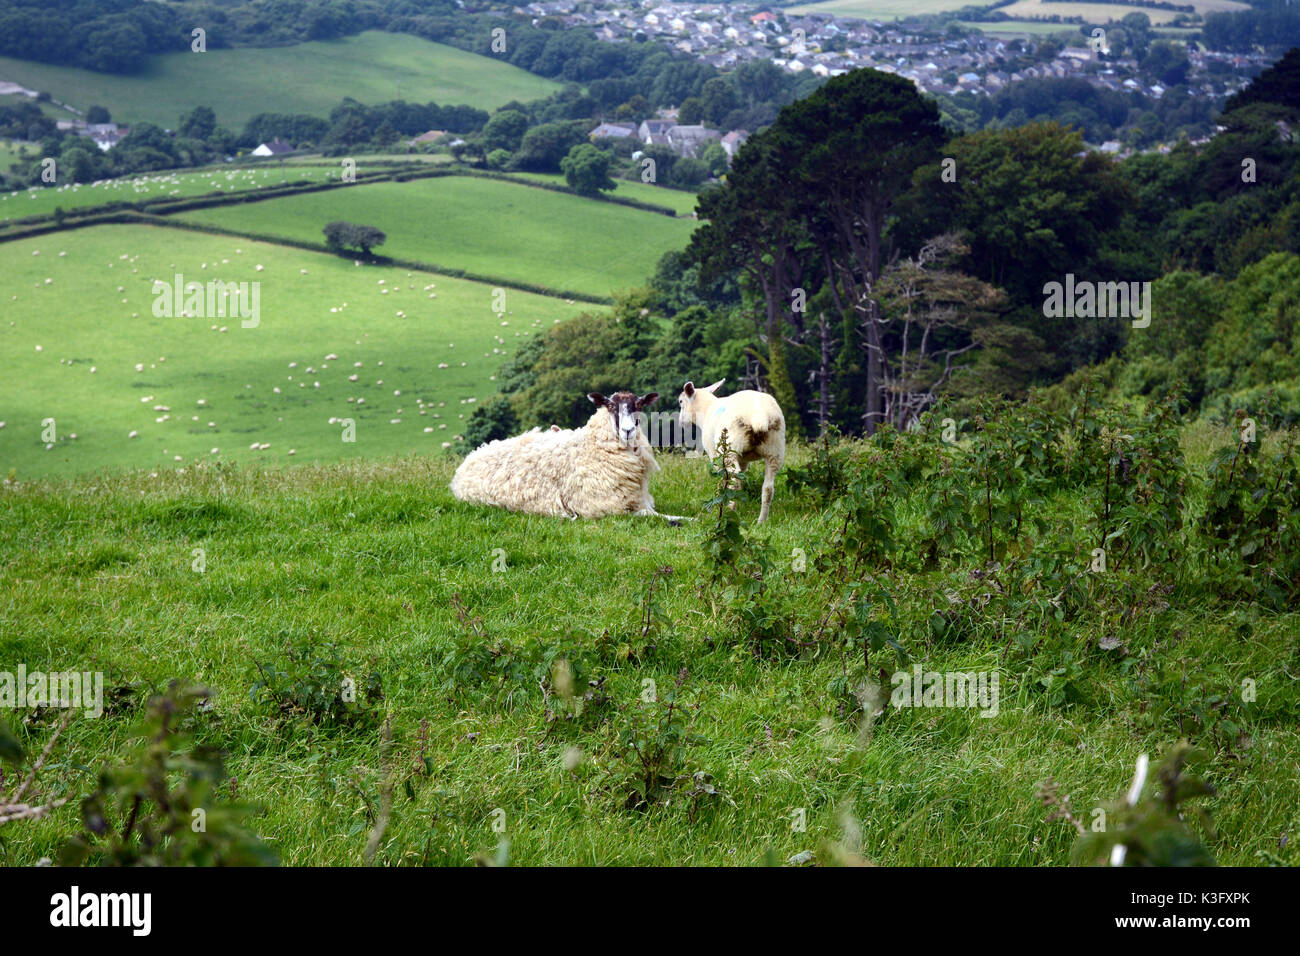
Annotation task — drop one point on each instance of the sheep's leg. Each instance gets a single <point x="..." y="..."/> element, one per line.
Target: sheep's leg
<point x="651" y="513"/>
<point x="769" y="485"/>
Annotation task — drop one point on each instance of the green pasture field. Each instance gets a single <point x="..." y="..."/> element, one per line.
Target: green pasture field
<point x="878" y="9"/>
<point x="91" y="337"/>
<point x="488" y="227"/>
<point x="1048" y="28"/>
<point x="680" y="200"/>
<point x="1107" y="12"/>
<point x="372" y="67"/>
<point x="43" y="200"/>
<point x="1022" y="9"/>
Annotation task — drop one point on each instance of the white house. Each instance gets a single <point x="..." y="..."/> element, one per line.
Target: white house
<point x="277" y="147"/>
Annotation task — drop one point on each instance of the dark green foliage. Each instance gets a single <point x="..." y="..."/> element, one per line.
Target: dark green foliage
<point x="655" y="737"/>
<point x="826" y="474"/>
<point x="544" y="147"/>
<point x="11" y="748"/>
<point x="1154" y="831"/>
<point x="1251" y="524"/>
<point x="586" y="169"/>
<point x="341" y="236"/>
<point x="311" y="682"/>
<point x="162" y="806"/>
<point x="493" y="420"/>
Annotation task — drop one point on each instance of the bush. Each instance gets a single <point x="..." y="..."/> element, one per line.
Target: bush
<point x="312" y="683"/>
<point x="493" y="420"/>
<point x="346" y="235"/>
<point x="586" y="169"/>
<point x="162" y="807"/>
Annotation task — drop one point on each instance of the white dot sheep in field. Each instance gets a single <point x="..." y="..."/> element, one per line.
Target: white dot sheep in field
<point x="755" y="430"/>
<point x="602" y="468"/>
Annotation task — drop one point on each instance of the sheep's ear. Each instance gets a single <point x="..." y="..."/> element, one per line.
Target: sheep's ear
<point x="688" y="389"/>
<point x="645" y="400"/>
<point x="714" y="386"/>
<point x="598" y="399"/>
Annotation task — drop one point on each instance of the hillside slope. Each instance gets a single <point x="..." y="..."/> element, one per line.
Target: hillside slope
<point x="372" y="67"/>
<point x="465" y="616"/>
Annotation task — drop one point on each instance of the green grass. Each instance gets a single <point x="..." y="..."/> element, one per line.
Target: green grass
<point x="1024" y="28"/>
<point x="43" y="200"/>
<point x="81" y="321"/>
<point x="1107" y="12"/>
<point x="487" y="227"/>
<point x="878" y="9"/>
<point x="1047" y="28"/>
<point x="97" y="575"/>
<point x="371" y="67"/>
<point x="1023" y="9"/>
<point x="11" y="151"/>
<point x="436" y="159"/>
<point x="49" y="109"/>
<point x="679" y="200"/>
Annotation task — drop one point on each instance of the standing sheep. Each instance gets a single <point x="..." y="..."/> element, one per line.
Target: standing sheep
<point x="755" y="430"/>
<point x="602" y="468"/>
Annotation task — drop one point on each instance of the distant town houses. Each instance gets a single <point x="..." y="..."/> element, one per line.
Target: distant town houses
<point x="732" y="142"/>
<point x="613" y="131"/>
<point x="104" y="135"/>
<point x="726" y="35"/>
<point x="686" y="140"/>
<point x="689" y="141"/>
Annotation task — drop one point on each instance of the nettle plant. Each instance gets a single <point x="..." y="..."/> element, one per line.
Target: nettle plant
<point x="655" y="740"/>
<point x="826" y="474"/>
<point x="1251" y="524"/>
<point x="311" y="682"/>
<point x="744" y="583"/>
<point x="1141" y="500"/>
<point x="163" y="805"/>
<point x="573" y="689"/>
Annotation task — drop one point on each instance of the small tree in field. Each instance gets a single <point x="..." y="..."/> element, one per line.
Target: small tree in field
<point x="347" y="235"/>
<point x="586" y="169"/>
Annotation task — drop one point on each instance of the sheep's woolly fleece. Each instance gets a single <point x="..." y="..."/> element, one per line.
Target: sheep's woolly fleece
<point x="584" y="472"/>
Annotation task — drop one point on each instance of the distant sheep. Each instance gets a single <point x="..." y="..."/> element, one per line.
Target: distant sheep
<point x="755" y="430"/>
<point x="600" y="469"/>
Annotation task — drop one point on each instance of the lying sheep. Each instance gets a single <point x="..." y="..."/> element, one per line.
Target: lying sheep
<point x="600" y="469"/>
<point x="755" y="430"/>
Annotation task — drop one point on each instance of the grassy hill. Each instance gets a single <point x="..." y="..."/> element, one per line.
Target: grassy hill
<point x="93" y="323"/>
<point x="484" y="226"/>
<point x="43" y="200"/>
<point x="1105" y="12"/>
<point x="372" y="67"/>
<point x="679" y="200"/>
<point x="765" y="760"/>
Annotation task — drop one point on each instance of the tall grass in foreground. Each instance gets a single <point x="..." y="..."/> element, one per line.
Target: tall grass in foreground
<point x="528" y="690"/>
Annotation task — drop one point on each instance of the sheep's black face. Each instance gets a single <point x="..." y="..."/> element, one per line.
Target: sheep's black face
<point x="624" y="413"/>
